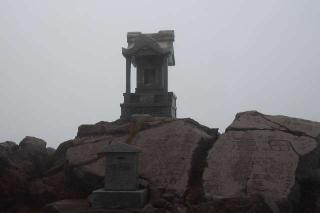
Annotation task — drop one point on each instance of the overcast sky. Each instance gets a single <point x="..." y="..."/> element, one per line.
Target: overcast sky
<point x="61" y="63"/>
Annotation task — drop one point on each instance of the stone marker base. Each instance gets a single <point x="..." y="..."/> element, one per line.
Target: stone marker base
<point x="101" y="198"/>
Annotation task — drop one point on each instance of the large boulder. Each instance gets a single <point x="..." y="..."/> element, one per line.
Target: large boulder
<point x="32" y="156"/>
<point x="21" y="167"/>
<point x="172" y="159"/>
<point x="273" y="156"/>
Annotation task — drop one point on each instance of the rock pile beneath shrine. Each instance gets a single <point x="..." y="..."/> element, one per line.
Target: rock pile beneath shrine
<point x="173" y="153"/>
<point x="261" y="163"/>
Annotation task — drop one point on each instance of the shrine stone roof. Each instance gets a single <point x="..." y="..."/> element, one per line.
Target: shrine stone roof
<point x="160" y="43"/>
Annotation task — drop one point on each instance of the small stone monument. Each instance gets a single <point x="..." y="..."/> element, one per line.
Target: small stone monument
<point x="121" y="180"/>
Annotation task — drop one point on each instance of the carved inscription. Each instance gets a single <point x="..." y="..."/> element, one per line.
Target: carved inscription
<point x="167" y="167"/>
<point x="248" y="144"/>
<point x="279" y="145"/>
<point x="240" y="144"/>
<point x="257" y="162"/>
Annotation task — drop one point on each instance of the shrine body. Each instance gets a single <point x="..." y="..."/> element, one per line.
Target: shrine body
<point x="150" y="54"/>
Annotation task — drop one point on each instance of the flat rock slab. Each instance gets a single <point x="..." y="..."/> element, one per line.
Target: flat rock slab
<point x="257" y="120"/>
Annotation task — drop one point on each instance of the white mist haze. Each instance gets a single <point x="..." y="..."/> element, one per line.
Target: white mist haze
<point x="61" y="63"/>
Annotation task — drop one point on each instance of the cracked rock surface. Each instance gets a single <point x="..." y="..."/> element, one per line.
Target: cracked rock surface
<point x="168" y="149"/>
<point x="261" y="164"/>
<point x="266" y="155"/>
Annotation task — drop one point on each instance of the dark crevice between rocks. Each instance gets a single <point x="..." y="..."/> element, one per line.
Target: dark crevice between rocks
<point x="209" y="131"/>
<point x="294" y="149"/>
<point x="134" y="129"/>
<point x="79" y="180"/>
<point x="305" y="195"/>
<point x="195" y="191"/>
<point x="59" y="158"/>
<point x="82" y="182"/>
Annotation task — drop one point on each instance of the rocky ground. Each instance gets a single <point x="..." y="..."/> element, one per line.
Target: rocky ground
<point x="261" y="164"/>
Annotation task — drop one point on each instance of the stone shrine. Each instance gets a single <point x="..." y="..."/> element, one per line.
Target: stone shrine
<point x="121" y="180"/>
<point x="150" y="54"/>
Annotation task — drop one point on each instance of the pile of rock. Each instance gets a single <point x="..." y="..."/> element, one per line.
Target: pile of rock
<point x="261" y="163"/>
<point x="21" y="167"/>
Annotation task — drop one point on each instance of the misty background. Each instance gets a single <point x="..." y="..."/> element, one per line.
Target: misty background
<point x="61" y="63"/>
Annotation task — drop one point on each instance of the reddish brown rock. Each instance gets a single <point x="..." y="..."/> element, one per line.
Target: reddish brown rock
<point x="168" y="147"/>
<point x="167" y="153"/>
<point x="22" y="167"/>
<point x="255" y="120"/>
<point x="262" y="154"/>
<point x="261" y="164"/>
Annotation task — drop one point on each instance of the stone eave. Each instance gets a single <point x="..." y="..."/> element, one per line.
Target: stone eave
<point x="142" y="43"/>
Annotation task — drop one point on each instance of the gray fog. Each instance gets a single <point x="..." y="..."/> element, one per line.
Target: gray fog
<point x="61" y="63"/>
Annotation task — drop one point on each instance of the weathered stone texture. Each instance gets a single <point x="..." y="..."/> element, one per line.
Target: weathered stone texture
<point x="166" y="153"/>
<point x="260" y="154"/>
<point x="255" y="120"/>
<point x="261" y="164"/>
<point x="167" y="147"/>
